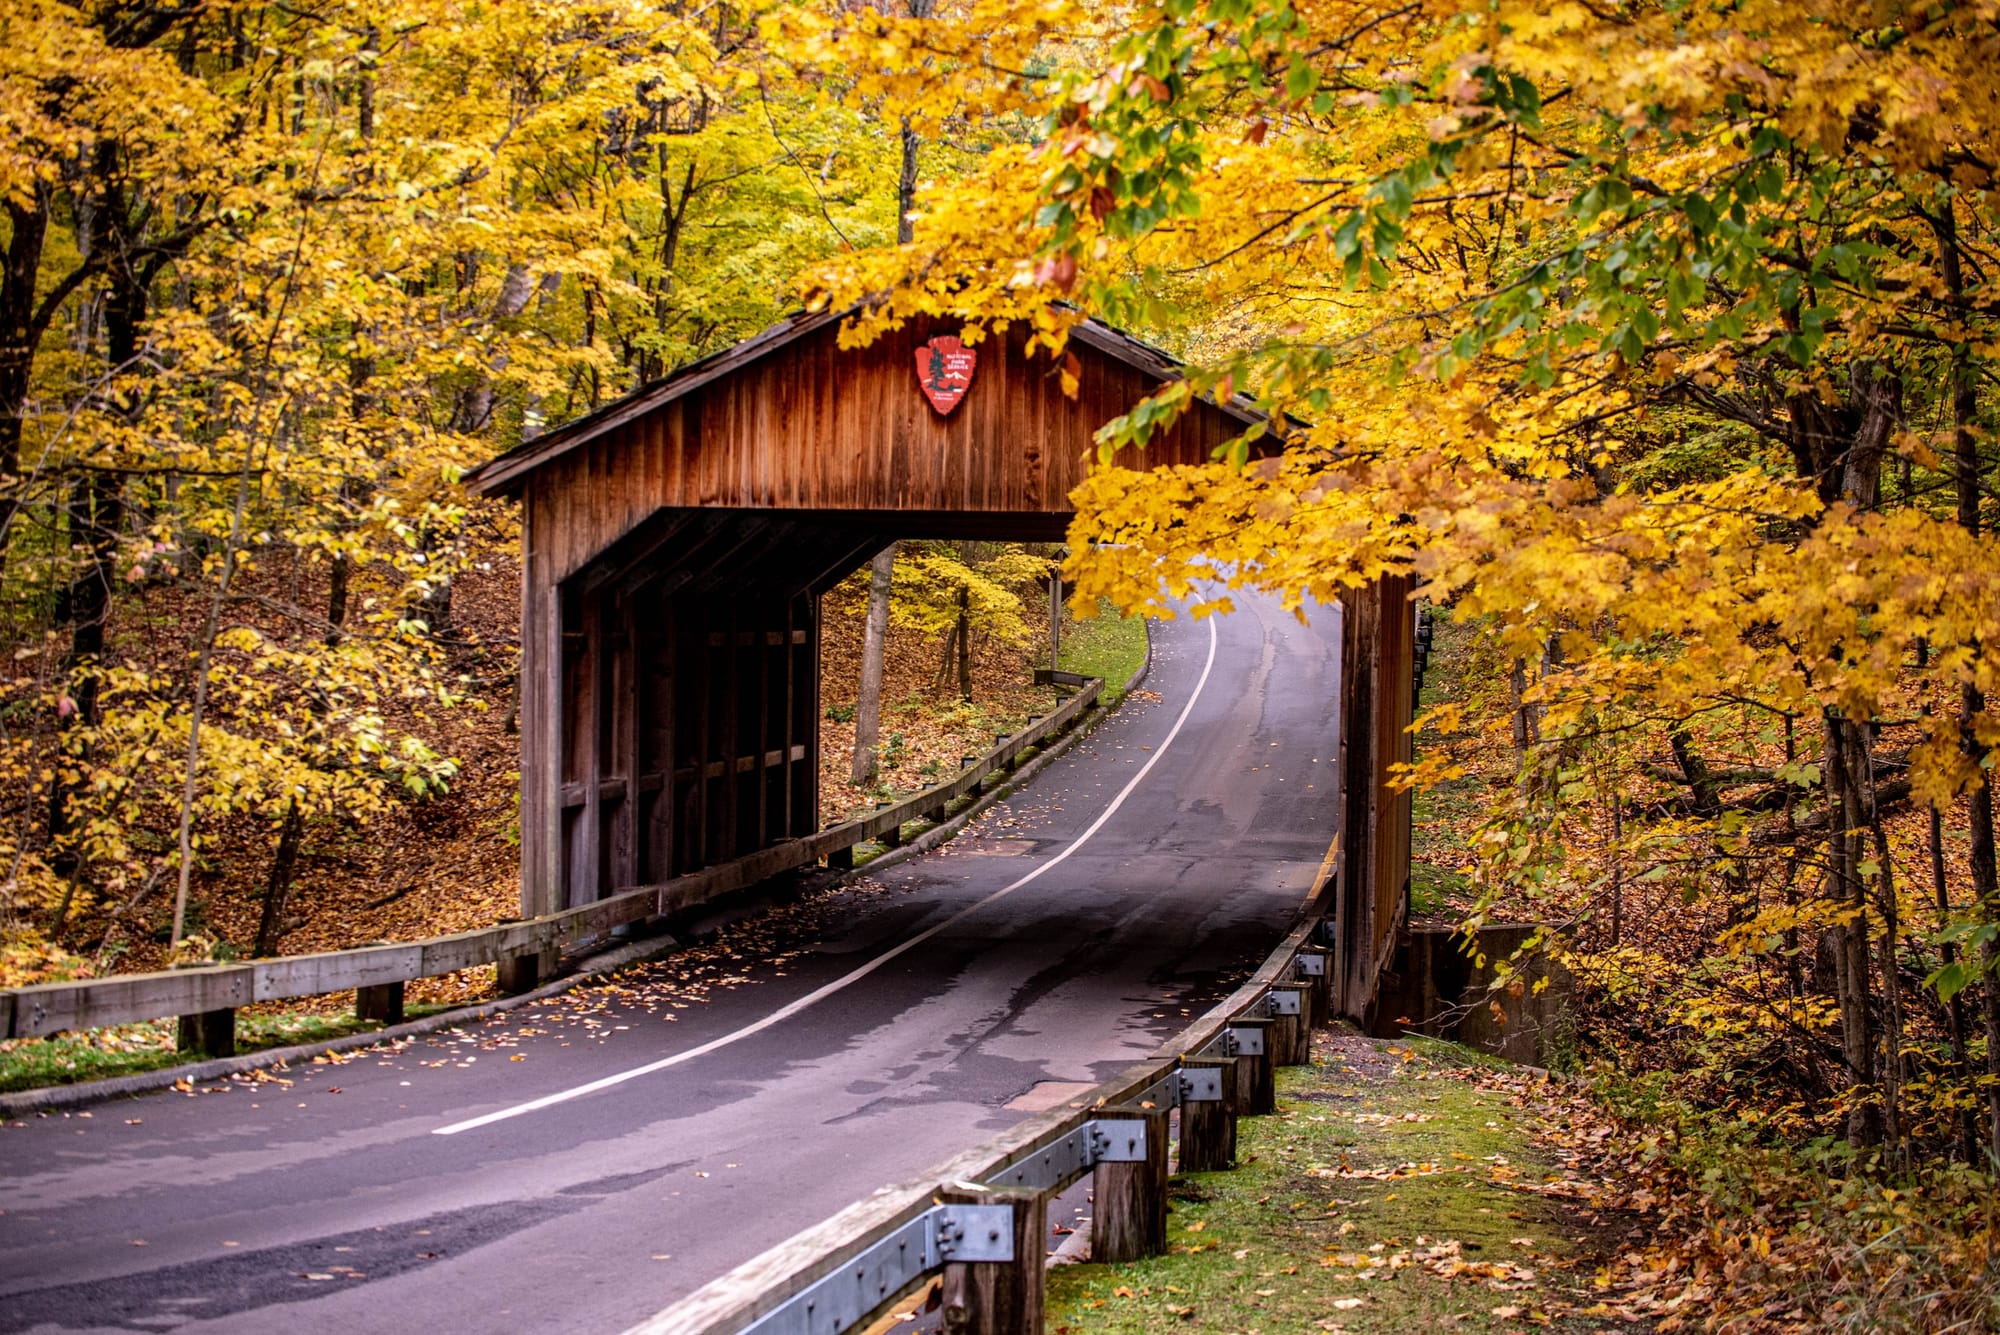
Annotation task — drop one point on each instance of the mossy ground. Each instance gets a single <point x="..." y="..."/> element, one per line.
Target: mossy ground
<point x="127" y="1049"/>
<point x="1387" y="1194"/>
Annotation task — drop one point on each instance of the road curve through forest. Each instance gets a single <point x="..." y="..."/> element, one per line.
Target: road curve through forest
<point x="581" y="1162"/>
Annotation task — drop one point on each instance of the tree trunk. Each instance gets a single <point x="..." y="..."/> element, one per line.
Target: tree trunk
<point x="27" y="229"/>
<point x="1877" y="396"/>
<point x="964" y="643"/>
<point x="1972" y="701"/>
<point x="906" y="184"/>
<point x="874" y="641"/>
<point x="1861" y="764"/>
<point x="1848" y="939"/>
<point x="278" y="886"/>
<point x="336" y="599"/>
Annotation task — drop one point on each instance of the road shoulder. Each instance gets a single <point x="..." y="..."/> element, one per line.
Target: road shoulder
<point x="1400" y="1186"/>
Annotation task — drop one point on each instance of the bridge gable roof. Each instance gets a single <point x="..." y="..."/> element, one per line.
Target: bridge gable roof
<point x="507" y="474"/>
<point x="792" y="426"/>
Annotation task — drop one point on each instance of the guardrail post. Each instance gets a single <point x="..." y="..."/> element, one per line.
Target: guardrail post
<point x="1291" y="1035"/>
<point x="892" y="837"/>
<point x="1321" y="983"/>
<point x="380" y="1001"/>
<point x="998" y="1297"/>
<point x="1208" y="1126"/>
<point x="210" y="1034"/>
<point x="1256" y="1087"/>
<point x="1128" y="1217"/>
<point x="524" y="973"/>
<point x="841" y="859"/>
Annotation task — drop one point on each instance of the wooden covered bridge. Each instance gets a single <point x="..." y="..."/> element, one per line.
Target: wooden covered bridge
<point x="677" y="541"/>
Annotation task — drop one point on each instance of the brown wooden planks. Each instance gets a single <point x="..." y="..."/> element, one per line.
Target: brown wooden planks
<point x="335" y="971"/>
<point x="51" y="1007"/>
<point x="812" y="427"/>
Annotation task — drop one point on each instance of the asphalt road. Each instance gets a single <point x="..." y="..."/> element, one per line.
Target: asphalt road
<point x="469" y="1182"/>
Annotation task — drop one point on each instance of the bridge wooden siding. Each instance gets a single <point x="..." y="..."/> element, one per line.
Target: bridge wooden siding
<point x="789" y="422"/>
<point x="676" y="543"/>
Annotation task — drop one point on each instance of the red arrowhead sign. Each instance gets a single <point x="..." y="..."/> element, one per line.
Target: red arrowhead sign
<point x="944" y="371"/>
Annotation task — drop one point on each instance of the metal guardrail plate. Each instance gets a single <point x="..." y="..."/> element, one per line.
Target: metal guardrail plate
<point x="1061" y="1162"/>
<point x="965" y="1233"/>
<point x="1312" y="966"/>
<point x="1248" y="1040"/>
<point x="1199" y="1084"/>
<point x="1166" y="1092"/>
<point x="1051" y="1166"/>
<point x="847" y="1297"/>
<point x="1281" y="1001"/>
<point x="1118" y="1140"/>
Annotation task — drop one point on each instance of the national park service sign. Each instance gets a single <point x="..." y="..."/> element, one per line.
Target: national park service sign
<point x="944" y="371"/>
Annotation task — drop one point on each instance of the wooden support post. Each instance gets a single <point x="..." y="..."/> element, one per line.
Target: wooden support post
<point x="1055" y="619"/>
<point x="892" y="837"/>
<point x="841" y="859"/>
<point x="1208" y="1127"/>
<point x="209" y="1034"/>
<point x="1128" y="1217"/>
<point x="998" y="1297"/>
<point x="1322" y="986"/>
<point x="1283" y="1036"/>
<point x="519" y="974"/>
<point x="1256" y="1087"/>
<point x="1291" y="1035"/>
<point x="381" y="1001"/>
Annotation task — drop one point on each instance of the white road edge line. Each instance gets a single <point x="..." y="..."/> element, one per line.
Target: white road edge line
<point x="820" y="994"/>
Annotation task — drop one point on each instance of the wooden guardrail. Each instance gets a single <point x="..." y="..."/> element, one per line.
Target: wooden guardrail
<point x="837" y="1275"/>
<point x="378" y="972"/>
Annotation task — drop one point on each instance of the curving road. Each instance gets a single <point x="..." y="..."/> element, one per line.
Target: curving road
<point x="579" y="1163"/>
